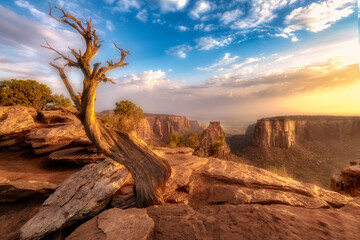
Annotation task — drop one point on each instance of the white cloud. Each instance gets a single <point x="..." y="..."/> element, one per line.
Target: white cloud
<point x="226" y="60"/>
<point x="172" y="5"/>
<point x="261" y="11"/>
<point x="182" y="28"/>
<point x="207" y="43"/>
<point x="109" y="26"/>
<point x="127" y="5"/>
<point x="43" y="17"/>
<point x="142" y="15"/>
<point x="230" y="16"/>
<point x="200" y="7"/>
<point x="148" y="80"/>
<point x="318" y="16"/>
<point x="180" y="50"/>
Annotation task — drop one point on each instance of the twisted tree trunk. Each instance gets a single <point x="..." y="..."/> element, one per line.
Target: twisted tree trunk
<point x="148" y="170"/>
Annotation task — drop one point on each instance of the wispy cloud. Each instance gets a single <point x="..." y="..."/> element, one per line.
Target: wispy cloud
<point x="109" y="26"/>
<point x="172" y="5"/>
<point x="127" y="5"/>
<point x="230" y="16"/>
<point x="207" y="43"/>
<point x="180" y="50"/>
<point x="201" y="7"/>
<point x="226" y="60"/>
<point x="317" y="17"/>
<point x="182" y="28"/>
<point x="142" y="15"/>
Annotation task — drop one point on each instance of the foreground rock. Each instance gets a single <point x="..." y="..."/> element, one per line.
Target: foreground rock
<point x="210" y="199"/>
<point x="130" y="224"/>
<point x="348" y="181"/>
<point x="78" y="156"/>
<point x="253" y="222"/>
<point x="79" y="197"/>
<point x="14" y="191"/>
<point x="14" y="121"/>
<point x="212" y="142"/>
<point x="55" y="136"/>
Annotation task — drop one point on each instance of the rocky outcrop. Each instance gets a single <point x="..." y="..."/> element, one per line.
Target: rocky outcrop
<point x="285" y="132"/>
<point x="54" y="136"/>
<point x="14" y="191"/>
<point x="209" y="199"/>
<point x="79" y="197"/>
<point x="143" y="130"/>
<point x="15" y="121"/>
<point x="212" y="142"/>
<point x="116" y="224"/>
<point x="77" y="155"/>
<point x="253" y="222"/>
<point x="348" y="181"/>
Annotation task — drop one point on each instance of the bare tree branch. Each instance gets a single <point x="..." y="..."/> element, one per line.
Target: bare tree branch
<point x="70" y="62"/>
<point x="112" y="65"/>
<point x="76" y="98"/>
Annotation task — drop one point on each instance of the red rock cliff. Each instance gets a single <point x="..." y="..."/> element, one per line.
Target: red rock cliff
<point x="284" y="132"/>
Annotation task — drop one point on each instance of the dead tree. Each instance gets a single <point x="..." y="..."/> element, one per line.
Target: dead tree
<point x="148" y="170"/>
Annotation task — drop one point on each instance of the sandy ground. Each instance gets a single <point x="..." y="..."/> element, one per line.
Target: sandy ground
<point x="24" y="165"/>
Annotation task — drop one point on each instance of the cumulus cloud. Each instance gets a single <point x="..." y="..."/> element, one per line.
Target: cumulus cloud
<point x="147" y="80"/>
<point x="317" y="16"/>
<point x="142" y="15"/>
<point x="201" y="7"/>
<point x="172" y="5"/>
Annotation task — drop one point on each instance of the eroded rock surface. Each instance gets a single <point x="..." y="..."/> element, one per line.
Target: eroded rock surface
<point x="14" y="191"/>
<point x="79" y="197"/>
<point x="212" y="142"/>
<point x="285" y="132"/>
<point x="54" y="136"/>
<point x="14" y="122"/>
<point x="348" y="181"/>
<point x="114" y="224"/>
<point x="78" y="155"/>
<point x="252" y="221"/>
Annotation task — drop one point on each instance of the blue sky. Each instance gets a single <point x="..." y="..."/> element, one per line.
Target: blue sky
<point x="207" y="59"/>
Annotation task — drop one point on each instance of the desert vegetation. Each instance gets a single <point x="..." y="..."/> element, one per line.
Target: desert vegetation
<point x="30" y="93"/>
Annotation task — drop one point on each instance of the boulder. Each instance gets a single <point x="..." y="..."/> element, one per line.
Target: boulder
<point x="15" y="121"/>
<point x="54" y="136"/>
<point x="56" y="116"/>
<point x="348" y="181"/>
<point x="79" y="197"/>
<point x="14" y="191"/>
<point x="115" y="223"/>
<point x="77" y="155"/>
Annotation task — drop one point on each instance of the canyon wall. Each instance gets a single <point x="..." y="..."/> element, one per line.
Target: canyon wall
<point x="159" y="126"/>
<point x="284" y="132"/>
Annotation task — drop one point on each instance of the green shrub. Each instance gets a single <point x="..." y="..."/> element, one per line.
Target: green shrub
<point x="192" y="140"/>
<point x="175" y="140"/>
<point x="215" y="148"/>
<point x="30" y="93"/>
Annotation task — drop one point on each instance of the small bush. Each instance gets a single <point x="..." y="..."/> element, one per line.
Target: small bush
<point x="175" y="140"/>
<point x="216" y="147"/>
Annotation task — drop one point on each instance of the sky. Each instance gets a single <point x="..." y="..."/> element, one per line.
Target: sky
<point x="227" y="60"/>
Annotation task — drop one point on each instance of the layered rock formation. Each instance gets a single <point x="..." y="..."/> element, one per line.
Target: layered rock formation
<point x="212" y="141"/>
<point x="159" y="126"/>
<point x="15" y="122"/>
<point x="285" y="132"/>
<point x="348" y="181"/>
<point x="210" y="199"/>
